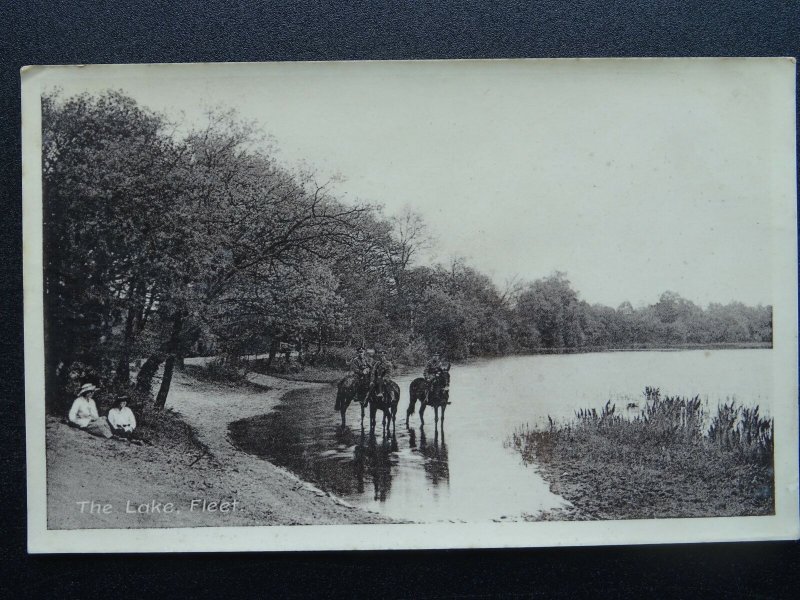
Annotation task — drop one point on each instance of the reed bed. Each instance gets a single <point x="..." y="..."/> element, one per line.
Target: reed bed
<point x="669" y="460"/>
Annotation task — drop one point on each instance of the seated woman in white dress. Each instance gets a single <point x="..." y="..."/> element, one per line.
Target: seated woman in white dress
<point x="83" y="413"/>
<point x="122" y="419"/>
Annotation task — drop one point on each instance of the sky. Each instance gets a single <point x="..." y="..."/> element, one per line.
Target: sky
<point x="633" y="177"/>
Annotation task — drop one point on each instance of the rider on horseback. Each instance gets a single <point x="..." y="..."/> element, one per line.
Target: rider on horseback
<point x="432" y="370"/>
<point x="433" y="367"/>
<point x="382" y="372"/>
<point x="361" y="367"/>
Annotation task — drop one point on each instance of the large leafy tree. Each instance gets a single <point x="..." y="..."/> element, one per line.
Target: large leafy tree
<point x="110" y="181"/>
<point x="551" y="305"/>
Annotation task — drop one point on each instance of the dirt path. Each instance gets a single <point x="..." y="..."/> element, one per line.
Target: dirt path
<point x="210" y="408"/>
<point x="83" y="468"/>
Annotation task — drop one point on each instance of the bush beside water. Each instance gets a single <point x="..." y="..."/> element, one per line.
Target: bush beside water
<point x="664" y="462"/>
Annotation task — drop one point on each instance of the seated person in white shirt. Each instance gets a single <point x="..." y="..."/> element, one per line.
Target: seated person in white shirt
<point x="121" y="418"/>
<point x="83" y="413"/>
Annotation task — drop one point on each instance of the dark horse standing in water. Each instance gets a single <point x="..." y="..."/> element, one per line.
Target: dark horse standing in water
<point x="350" y="388"/>
<point x="435" y="393"/>
<point x="385" y="399"/>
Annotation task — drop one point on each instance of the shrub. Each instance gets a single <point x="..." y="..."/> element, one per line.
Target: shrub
<point x="220" y="370"/>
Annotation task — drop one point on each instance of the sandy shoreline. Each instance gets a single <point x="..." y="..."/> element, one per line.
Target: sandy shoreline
<point x="83" y="468"/>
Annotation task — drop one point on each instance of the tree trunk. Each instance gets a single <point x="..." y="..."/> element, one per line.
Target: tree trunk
<point x="123" y="371"/>
<point x="273" y="347"/>
<point x="169" y="365"/>
<point x="56" y="380"/>
<point x="301" y="355"/>
<point x="145" y="379"/>
<point x="287" y="354"/>
<point x="166" y="380"/>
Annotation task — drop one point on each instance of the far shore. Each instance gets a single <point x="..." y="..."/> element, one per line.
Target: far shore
<point x="655" y="348"/>
<point x="326" y="375"/>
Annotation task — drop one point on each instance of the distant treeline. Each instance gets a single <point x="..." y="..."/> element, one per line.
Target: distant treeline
<point x="161" y="243"/>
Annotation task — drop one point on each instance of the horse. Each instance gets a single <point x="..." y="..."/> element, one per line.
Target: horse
<point x="387" y="402"/>
<point x="348" y="389"/>
<point x="435" y="393"/>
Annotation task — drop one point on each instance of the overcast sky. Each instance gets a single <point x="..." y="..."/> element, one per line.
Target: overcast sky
<point x="634" y="177"/>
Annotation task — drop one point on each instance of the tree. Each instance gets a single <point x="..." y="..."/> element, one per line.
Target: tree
<point x="250" y="218"/>
<point x="109" y="179"/>
<point x="551" y="305"/>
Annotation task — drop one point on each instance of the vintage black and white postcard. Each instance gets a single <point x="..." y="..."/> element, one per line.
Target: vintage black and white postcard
<point x="439" y="304"/>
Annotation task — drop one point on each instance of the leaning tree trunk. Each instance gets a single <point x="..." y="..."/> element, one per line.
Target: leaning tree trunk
<point x="169" y="365"/>
<point x="166" y="381"/>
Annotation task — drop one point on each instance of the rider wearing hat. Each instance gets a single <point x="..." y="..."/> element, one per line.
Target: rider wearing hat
<point x="382" y="372"/>
<point x="361" y="367"/>
<point x="433" y="367"/>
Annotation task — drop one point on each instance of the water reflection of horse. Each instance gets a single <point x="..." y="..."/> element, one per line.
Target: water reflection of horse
<point x="381" y="397"/>
<point x="435" y="393"/>
<point x="375" y="459"/>
<point x="436" y="464"/>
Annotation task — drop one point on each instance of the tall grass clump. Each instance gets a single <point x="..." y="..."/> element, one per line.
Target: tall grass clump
<point x="670" y="459"/>
<point x="743" y="431"/>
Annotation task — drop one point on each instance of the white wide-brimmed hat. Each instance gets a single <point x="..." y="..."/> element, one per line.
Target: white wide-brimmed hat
<point x="87" y="387"/>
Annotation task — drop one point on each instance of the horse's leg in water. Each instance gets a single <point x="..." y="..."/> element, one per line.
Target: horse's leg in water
<point x="422" y="406"/>
<point x="410" y="410"/>
<point x="362" y="414"/>
<point x="444" y="406"/>
<point x="372" y="410"/>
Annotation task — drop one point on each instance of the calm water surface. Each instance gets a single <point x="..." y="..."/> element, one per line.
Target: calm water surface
<point x="462" y="471"/>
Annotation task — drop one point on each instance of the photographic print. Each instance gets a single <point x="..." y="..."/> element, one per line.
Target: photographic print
<point x="414" y="304"/>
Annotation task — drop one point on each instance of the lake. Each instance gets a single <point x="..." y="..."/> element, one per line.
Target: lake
<point x="463" y="472"/>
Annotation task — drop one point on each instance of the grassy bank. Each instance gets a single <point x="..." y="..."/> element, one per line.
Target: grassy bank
<point x="173" y="467"/>
<point x="669" y="461"/>
<point x="189" y="458"/>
